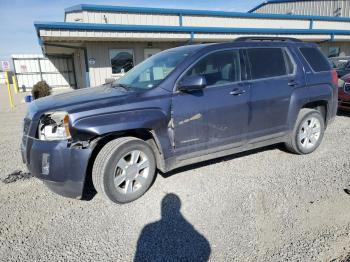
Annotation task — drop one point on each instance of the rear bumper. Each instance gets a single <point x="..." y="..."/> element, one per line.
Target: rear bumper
<point x="66" y="166"/>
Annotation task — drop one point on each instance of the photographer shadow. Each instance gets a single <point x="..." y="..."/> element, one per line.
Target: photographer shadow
<point x="172" y="238"/>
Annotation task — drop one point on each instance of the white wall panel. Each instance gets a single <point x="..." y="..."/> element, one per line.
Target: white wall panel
<point x="74" y="17"/>
<point x="313" y="7"/>
<point x="243" y="22"/>
<point x="55" y="34"/>
<point x="99" y="17"/>
<point x="331" y="25"/>
<point x="343" y="38"/>
<point x="27" y="66"/>
<point x="227" y="37"/>
<point x="27" y="80"/>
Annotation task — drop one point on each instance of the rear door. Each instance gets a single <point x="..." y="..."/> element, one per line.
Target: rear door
<point x="218" y="114"/>
<point x="274" y="76"/>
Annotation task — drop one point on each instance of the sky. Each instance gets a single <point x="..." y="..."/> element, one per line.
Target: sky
<point x="18" y="36"/>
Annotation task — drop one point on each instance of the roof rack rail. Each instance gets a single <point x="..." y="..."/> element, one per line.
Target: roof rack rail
<point x="258" y="38"/>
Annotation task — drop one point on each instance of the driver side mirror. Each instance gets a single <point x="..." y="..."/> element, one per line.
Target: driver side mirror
<point x="192" y="83"/>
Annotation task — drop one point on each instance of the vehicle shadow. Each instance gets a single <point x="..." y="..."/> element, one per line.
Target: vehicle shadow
<point x="172" y="238"/>
<point x="223" y="159"/>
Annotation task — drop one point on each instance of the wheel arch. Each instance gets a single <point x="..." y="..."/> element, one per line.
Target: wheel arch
<point x="147" y="135"/>
<point x="319" y="105"/>
<point x="316" y="97"/>
<point x="98" y="142"/>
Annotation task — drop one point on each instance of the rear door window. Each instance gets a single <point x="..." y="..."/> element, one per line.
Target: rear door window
<point x="269" y="62"/>
<point x="221" y="67"/>
<point x="316" y="59"/>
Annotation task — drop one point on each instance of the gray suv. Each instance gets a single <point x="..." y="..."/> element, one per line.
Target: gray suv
<point x="181" y="106"/>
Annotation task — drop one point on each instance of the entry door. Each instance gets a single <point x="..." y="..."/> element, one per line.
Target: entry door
<point x="151" y="51"/>
<point x="217" y="115"/>
<point x="274" y="77"/>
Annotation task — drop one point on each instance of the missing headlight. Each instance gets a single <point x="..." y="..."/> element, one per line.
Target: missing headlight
<point x="54" y="126"/>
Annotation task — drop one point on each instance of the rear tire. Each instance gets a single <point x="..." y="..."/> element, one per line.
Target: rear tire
<point x="124" y="169"/>
<point x="308" y="132"/>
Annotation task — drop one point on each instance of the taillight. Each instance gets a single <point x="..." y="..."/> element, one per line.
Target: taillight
<point x="335" y="77"/>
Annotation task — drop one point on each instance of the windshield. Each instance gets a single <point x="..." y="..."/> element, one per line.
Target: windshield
<point x="153" y="70"/>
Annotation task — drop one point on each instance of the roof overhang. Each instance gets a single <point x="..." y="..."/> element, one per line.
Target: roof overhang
<point x="62" y="31"/>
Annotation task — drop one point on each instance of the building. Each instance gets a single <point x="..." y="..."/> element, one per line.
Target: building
<point x="106" y="41"/>
<point x="333" y="8"/>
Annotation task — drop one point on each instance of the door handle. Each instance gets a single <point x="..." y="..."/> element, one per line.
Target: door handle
<point x="292" y="83"/>
<point x="237" y="92"/>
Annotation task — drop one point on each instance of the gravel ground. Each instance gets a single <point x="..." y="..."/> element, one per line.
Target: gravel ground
<point x="264" y="205"/>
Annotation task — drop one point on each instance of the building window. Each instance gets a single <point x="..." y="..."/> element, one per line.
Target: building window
<point x="122" y="60"/>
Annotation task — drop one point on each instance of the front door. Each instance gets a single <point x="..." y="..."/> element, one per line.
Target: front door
<point x="217" y="115"/>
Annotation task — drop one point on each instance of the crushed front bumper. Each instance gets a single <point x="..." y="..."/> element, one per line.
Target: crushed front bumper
<point x="61" y="167"/>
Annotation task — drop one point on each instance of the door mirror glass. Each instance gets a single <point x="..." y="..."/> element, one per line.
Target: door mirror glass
<point x="192" y="83"/>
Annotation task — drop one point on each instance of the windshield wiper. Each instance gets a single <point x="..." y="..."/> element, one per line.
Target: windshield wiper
<point x="126" y="87"/>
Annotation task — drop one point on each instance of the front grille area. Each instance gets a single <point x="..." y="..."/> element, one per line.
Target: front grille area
<point x="347" y="88"/>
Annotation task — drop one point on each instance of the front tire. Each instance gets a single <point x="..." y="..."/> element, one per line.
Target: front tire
<point x="124" y="169"/>
<point x="308" y="132"/>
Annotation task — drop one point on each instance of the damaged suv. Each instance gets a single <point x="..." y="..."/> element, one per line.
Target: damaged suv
<point x="181" y="106"/>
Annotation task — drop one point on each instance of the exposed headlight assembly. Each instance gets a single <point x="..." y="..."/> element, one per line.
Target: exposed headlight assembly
<point x="54" y="126"/>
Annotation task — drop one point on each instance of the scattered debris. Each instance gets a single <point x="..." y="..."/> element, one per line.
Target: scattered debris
<point x="15" y="176"/>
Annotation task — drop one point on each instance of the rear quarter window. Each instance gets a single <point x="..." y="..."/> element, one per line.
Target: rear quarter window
<point x="316" y="59"/>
